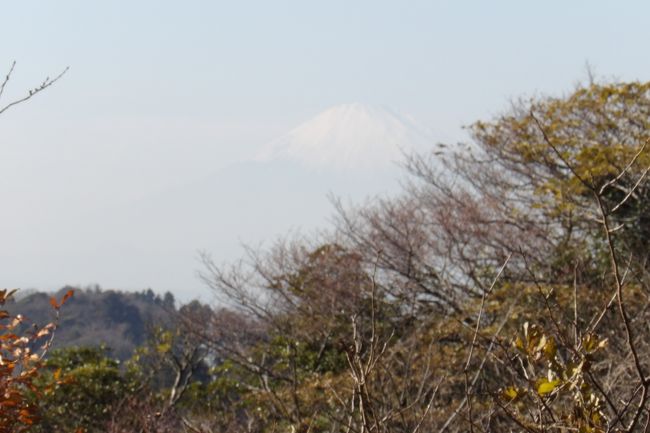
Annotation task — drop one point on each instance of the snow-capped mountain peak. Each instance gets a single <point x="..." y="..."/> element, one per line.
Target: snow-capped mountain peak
<point x="349" y="136"/>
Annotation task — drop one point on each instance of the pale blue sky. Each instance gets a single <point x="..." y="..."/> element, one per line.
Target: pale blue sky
<point x="267" y="60"/>
<point x="162" y="93"/>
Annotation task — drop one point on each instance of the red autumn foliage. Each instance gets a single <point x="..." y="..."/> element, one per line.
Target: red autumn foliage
<point x="21" y="355"/>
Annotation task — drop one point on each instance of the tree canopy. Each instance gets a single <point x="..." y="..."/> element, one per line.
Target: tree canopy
<point x="505" y="289"/>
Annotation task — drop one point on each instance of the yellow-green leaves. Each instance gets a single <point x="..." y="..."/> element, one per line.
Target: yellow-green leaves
<point x="554" y="370"/>
<point x="164" y="343"/>
<point x="562" y="145"/>
<point x="535" y="343"/>
<point x="545" y="386"/>
<point x="512" y="393"/>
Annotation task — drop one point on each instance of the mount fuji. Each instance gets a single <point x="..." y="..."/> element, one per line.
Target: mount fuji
<point x="350" y="136"/>
<point x="348" y="151"/>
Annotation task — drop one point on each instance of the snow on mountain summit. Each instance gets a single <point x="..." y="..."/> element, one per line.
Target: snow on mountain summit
<point x="349" y="136"/>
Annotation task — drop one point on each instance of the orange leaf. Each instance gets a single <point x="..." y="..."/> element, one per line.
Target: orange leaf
<point x="67" y="296"/>
<point x="53" y="303"/>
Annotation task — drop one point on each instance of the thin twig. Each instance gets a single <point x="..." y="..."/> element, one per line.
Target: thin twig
<point x="44" y="85"/>
<point x="7" y="77"/>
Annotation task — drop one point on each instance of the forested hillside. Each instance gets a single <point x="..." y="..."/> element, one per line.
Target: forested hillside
<point x="121" y="321"/>
<point x="506" y="289"/>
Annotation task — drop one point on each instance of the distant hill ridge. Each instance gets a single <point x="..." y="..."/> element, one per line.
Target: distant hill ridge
<point x="119" y="320"/>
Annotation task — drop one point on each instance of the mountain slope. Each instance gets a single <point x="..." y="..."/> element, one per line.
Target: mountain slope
<point x="350" y="136"/>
